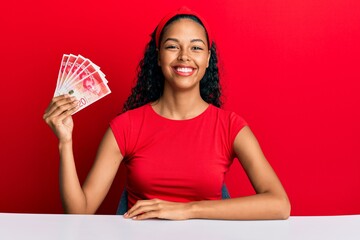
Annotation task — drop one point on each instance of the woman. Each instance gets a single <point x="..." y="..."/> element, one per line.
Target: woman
<point x="174" y="140"/>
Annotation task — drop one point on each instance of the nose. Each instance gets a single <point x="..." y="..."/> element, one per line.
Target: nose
<point x="184" y="56"/>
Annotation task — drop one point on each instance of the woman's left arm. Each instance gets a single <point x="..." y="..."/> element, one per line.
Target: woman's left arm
<point x="269" y="202"/>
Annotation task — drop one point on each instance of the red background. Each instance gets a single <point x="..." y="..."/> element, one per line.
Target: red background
<point x="290" y="68"/>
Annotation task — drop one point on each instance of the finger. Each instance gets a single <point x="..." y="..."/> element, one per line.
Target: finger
<point x="63" y="125"/>
<point x="137" y="205"/>
<point x="147" y="215"/>
<point x="69" y="112"/>
<point x="58" y="116"/>
<point x="55" y="99"/>
<point x="61" y="102"/>
<point x="144" y="209"/>
<point x="60" y="106"/>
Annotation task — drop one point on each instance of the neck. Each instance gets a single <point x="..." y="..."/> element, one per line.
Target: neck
<point x="180" y="105"/>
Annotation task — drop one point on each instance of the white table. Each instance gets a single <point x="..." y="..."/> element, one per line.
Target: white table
<point x="108" y="227"/>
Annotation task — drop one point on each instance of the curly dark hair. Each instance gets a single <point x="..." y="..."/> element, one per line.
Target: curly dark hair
<point x="150" y="79"/>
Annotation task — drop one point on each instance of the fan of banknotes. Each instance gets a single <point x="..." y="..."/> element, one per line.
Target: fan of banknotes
<point x="81" y="78"/>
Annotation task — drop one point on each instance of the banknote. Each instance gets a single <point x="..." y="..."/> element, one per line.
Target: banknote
<point x="62" y="67"/>
<point x="81" y="78"/>
<point x="66" y="68"/>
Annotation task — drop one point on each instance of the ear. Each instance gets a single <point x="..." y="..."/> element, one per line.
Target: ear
<point x="208" y="60"/>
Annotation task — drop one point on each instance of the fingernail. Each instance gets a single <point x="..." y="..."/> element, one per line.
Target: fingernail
<point x="126" y="214"/>
<point x="134" y="218"/>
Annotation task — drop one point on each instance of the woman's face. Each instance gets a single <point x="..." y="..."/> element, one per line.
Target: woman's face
<point x="184" y="54"/>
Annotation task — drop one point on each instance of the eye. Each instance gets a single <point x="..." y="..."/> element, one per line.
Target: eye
<point x="197" y="48"/>
<point x="171" y="47"/>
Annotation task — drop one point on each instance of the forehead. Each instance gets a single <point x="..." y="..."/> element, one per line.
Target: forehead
<point x="184" y="28"/>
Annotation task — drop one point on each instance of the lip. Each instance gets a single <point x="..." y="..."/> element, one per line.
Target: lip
<point x="184" y="71"/>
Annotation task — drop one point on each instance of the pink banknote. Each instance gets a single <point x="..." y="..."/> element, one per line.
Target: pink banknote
<point x="80" y="77"/>
<point x="61" y="71"/>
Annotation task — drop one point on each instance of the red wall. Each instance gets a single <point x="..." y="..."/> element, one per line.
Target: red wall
<point x="290" y="68"/>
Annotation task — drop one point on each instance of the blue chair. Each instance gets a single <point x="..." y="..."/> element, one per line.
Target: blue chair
<point x="123" y="204"/>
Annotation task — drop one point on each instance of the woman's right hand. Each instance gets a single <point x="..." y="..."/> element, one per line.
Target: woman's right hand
<point x="58" y="116"/>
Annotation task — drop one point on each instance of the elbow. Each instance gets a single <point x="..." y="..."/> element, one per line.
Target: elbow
<point x="73" y="211"/>
<point x="78" y="212"/>
<point x="283" y="209"/>
<point x="82" y="211"/>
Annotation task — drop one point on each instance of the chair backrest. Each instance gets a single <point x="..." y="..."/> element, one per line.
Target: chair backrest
<point x="123" y="204"/>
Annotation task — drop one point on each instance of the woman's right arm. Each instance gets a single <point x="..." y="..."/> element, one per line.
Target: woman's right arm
<point x="76" y="198"/>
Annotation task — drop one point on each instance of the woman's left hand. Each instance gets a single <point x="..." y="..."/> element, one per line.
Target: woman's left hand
<point x="156" y="208"/>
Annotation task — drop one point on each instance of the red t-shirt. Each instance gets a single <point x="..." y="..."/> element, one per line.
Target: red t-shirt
<point x="176" y="160"/>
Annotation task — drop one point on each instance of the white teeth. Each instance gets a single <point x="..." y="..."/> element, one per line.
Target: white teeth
<point x="184" y="69"/>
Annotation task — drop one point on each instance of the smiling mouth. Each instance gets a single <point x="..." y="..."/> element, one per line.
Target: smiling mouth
<point x="184" y="71"/>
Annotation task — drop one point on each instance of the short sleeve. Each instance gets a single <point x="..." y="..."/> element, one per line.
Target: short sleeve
<point x="121" y="128"/>
<point x="236" y="124"/>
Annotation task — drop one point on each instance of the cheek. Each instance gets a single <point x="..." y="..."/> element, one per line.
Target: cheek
<point x="203" y="62"/>
<point x="163" y="60"/>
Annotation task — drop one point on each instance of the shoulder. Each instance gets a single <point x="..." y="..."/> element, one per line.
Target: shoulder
<point x="231" y="122"/>
<point x="129" y="119"/>
<point x="129" y="115"/>
<point x="229" y="116"/>
<point x="125" y="125"/>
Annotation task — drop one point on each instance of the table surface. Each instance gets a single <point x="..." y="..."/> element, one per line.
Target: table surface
<point x="107" y="227"/>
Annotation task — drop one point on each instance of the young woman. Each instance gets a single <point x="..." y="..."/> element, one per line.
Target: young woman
<point x="173" y="138"/>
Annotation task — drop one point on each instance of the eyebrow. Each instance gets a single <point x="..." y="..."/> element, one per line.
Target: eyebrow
<point x="192" y="40"/>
